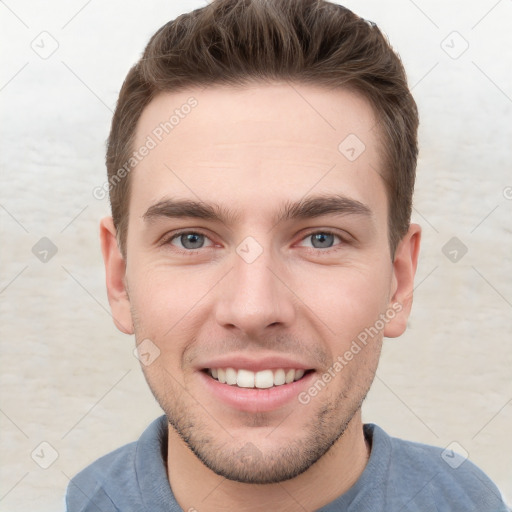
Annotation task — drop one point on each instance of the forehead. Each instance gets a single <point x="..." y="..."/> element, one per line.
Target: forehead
<point x="237" y="144"/>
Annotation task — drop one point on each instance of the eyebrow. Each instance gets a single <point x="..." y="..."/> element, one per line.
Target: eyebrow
<point x="311" y="207"/>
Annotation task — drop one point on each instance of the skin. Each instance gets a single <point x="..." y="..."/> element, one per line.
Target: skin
<point x="251" y="151"/>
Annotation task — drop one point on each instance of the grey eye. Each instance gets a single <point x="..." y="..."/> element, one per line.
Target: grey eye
<point x="322" y="240"/>
<point x="192" y="240"/>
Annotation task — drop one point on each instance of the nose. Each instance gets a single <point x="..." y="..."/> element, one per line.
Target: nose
<point x="254" y="297"/>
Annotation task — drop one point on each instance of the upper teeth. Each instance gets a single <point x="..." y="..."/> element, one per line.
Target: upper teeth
<point x="262" y="379"/>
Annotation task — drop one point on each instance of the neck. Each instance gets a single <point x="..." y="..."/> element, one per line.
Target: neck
<point x="196" y="487"/>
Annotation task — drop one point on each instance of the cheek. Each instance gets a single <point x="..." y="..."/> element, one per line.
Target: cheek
<point x="167" y="304"/>
<point x="171" y="306"/>
<point x="347" y="300"/>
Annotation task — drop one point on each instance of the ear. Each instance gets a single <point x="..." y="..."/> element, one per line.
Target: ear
<point x="115" y="270"/>
<point x="404" y="269"/>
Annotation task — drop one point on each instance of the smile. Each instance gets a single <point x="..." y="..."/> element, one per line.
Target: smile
<point x="263" y="379"/>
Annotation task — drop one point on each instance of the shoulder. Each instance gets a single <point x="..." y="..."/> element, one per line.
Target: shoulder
<point x="446" y="476"/>
<point x="116" y="480"/>
<point x="91" y="485"/>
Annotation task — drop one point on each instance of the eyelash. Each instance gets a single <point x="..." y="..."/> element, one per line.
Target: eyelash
<point x="191" y="252"/>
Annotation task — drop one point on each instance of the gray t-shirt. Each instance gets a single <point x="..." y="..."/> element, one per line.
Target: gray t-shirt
<point x="401" y="476"/>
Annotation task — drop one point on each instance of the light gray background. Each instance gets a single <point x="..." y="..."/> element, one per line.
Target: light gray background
<point x="68" y="378"/>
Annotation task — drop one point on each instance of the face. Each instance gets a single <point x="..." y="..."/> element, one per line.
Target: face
<point x="257" y="255"/>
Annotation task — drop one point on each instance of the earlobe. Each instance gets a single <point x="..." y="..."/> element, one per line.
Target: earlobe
<point x="404" y="270"/>
<point x="115" y="270"/>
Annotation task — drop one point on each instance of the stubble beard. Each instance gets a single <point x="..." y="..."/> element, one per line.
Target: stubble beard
<point x="242" y="460"/>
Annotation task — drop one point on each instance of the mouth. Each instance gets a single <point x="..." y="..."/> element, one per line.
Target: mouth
<point x="254" y="383"/>
<point x="263" y="379"/>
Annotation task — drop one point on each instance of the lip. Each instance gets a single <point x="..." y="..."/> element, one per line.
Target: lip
<point x="254" y="364"/>
<point x="254" y="400"/>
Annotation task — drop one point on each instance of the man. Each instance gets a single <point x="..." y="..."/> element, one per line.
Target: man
<point x="261" y="169"/>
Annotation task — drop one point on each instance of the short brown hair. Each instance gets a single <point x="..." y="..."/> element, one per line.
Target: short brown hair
<point x="235" y="42"/>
